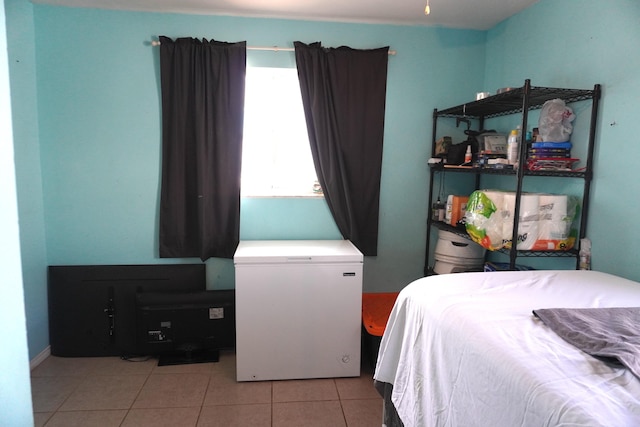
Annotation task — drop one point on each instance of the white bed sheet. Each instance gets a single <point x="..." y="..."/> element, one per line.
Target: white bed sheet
<point x="465" y="350"/>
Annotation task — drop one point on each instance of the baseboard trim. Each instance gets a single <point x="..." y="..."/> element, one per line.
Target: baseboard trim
<point x="40" y="358"/>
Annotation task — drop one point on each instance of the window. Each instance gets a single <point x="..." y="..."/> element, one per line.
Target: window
<point x="276" y="157"/>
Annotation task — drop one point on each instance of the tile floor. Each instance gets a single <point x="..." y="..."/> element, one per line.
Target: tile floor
<point x="108" y="391"/>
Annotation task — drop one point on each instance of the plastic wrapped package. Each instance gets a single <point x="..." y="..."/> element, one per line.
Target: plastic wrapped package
<point x="557" y="231"/>
<point x="529" y="221"/>
<point x="545" y="220"/>
<point x="555" y="120"/>
<point x="484" y="218"/>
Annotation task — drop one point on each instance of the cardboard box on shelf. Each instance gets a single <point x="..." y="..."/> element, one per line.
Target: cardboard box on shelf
<point x="456" y="207"/>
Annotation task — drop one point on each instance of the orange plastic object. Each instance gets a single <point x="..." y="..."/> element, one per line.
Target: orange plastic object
<point x="376" y="308"/>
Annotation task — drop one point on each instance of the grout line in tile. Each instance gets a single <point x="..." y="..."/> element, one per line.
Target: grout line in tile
<point x="96" y="375"/>
<point x="78" y="383"/>
<point x="136" y="397"/>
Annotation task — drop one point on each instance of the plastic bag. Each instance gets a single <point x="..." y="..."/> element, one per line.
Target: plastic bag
<point x="484" y="222"/>
<point x="546" y="221"/>
<point x="555" y="120"/>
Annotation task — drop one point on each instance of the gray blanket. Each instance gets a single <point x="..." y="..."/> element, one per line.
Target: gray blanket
<point x="601" y="332"/>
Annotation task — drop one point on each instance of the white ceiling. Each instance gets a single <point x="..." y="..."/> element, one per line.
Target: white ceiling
<point x="470" y="14"/>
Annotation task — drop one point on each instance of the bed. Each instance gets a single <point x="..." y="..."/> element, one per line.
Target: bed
<point x="466" y="350"/>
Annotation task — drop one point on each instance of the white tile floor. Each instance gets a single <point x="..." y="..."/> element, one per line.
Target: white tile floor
<point x="108" y="391"/>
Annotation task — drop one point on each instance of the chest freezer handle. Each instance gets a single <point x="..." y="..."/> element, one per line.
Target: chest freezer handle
<point x="299" y="259"/>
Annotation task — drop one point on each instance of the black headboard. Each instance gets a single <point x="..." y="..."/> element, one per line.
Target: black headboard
<point x="92" y="307"/>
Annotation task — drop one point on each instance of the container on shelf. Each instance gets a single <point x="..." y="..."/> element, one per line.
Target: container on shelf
<point x="455" y="254"/>
<point x="513" y="146"/>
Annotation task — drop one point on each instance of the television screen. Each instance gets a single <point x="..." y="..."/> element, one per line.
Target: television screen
<point x="185" y="327"/>
<point x="92" y="307"/>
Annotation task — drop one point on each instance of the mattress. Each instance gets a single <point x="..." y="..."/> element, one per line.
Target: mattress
<point x="466" y="350"/>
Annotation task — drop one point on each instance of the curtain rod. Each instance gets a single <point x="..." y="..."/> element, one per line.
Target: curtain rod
<point x="270" y="48"/>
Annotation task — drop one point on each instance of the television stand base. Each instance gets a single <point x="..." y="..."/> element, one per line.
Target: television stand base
<point x="199" y="356"/>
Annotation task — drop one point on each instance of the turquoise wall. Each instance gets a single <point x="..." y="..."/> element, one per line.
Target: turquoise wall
<point x="24" y="104"/>
<point x="15" y="387"/>
<point x="88" y="107"/>
<point x="577" y="43"/>
<point x="99" y="121"/>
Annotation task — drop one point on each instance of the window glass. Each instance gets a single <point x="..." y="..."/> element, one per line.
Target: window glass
<point x="276" y="157"/>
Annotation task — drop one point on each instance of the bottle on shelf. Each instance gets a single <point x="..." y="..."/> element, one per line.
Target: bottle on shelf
<point x="467" y="155"/>
<point x="513" y="146"/>
<point x="585" y="254"/>
<point x="438" y="211"/>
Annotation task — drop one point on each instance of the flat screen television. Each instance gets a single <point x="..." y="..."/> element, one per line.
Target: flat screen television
<point x="185" y="327"/>
<point x="92" y="308"/>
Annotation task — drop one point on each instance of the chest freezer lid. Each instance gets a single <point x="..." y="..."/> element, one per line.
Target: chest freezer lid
<point x="296" y="251"/>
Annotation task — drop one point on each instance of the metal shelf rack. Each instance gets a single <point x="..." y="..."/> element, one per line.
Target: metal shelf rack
<point x="519" y="100"/>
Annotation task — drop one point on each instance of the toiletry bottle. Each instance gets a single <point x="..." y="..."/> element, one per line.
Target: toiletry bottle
<point x="512" y="147"/>
<point x="467" y="155"/>
<point x="438" y="211"/>
<point x="448" y="209"/>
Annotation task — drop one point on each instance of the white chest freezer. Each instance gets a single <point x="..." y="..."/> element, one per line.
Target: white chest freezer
<point x="298" y="309"/>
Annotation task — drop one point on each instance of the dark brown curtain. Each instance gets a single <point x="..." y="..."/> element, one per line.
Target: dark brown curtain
<point x="202" y="118"/>
<point x="343" y="93"/>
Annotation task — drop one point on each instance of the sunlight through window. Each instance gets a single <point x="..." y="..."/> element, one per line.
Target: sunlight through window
<point x="276" y="157"/>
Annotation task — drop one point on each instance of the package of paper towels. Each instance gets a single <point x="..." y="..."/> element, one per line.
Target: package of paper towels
<point x="556" y="229"/>
<point x="545" y="220"/>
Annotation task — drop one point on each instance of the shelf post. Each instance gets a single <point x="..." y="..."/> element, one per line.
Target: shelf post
<point x="430" y="196"/>
<point x="588" y="174"/>
<point x="522" y="156"/>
